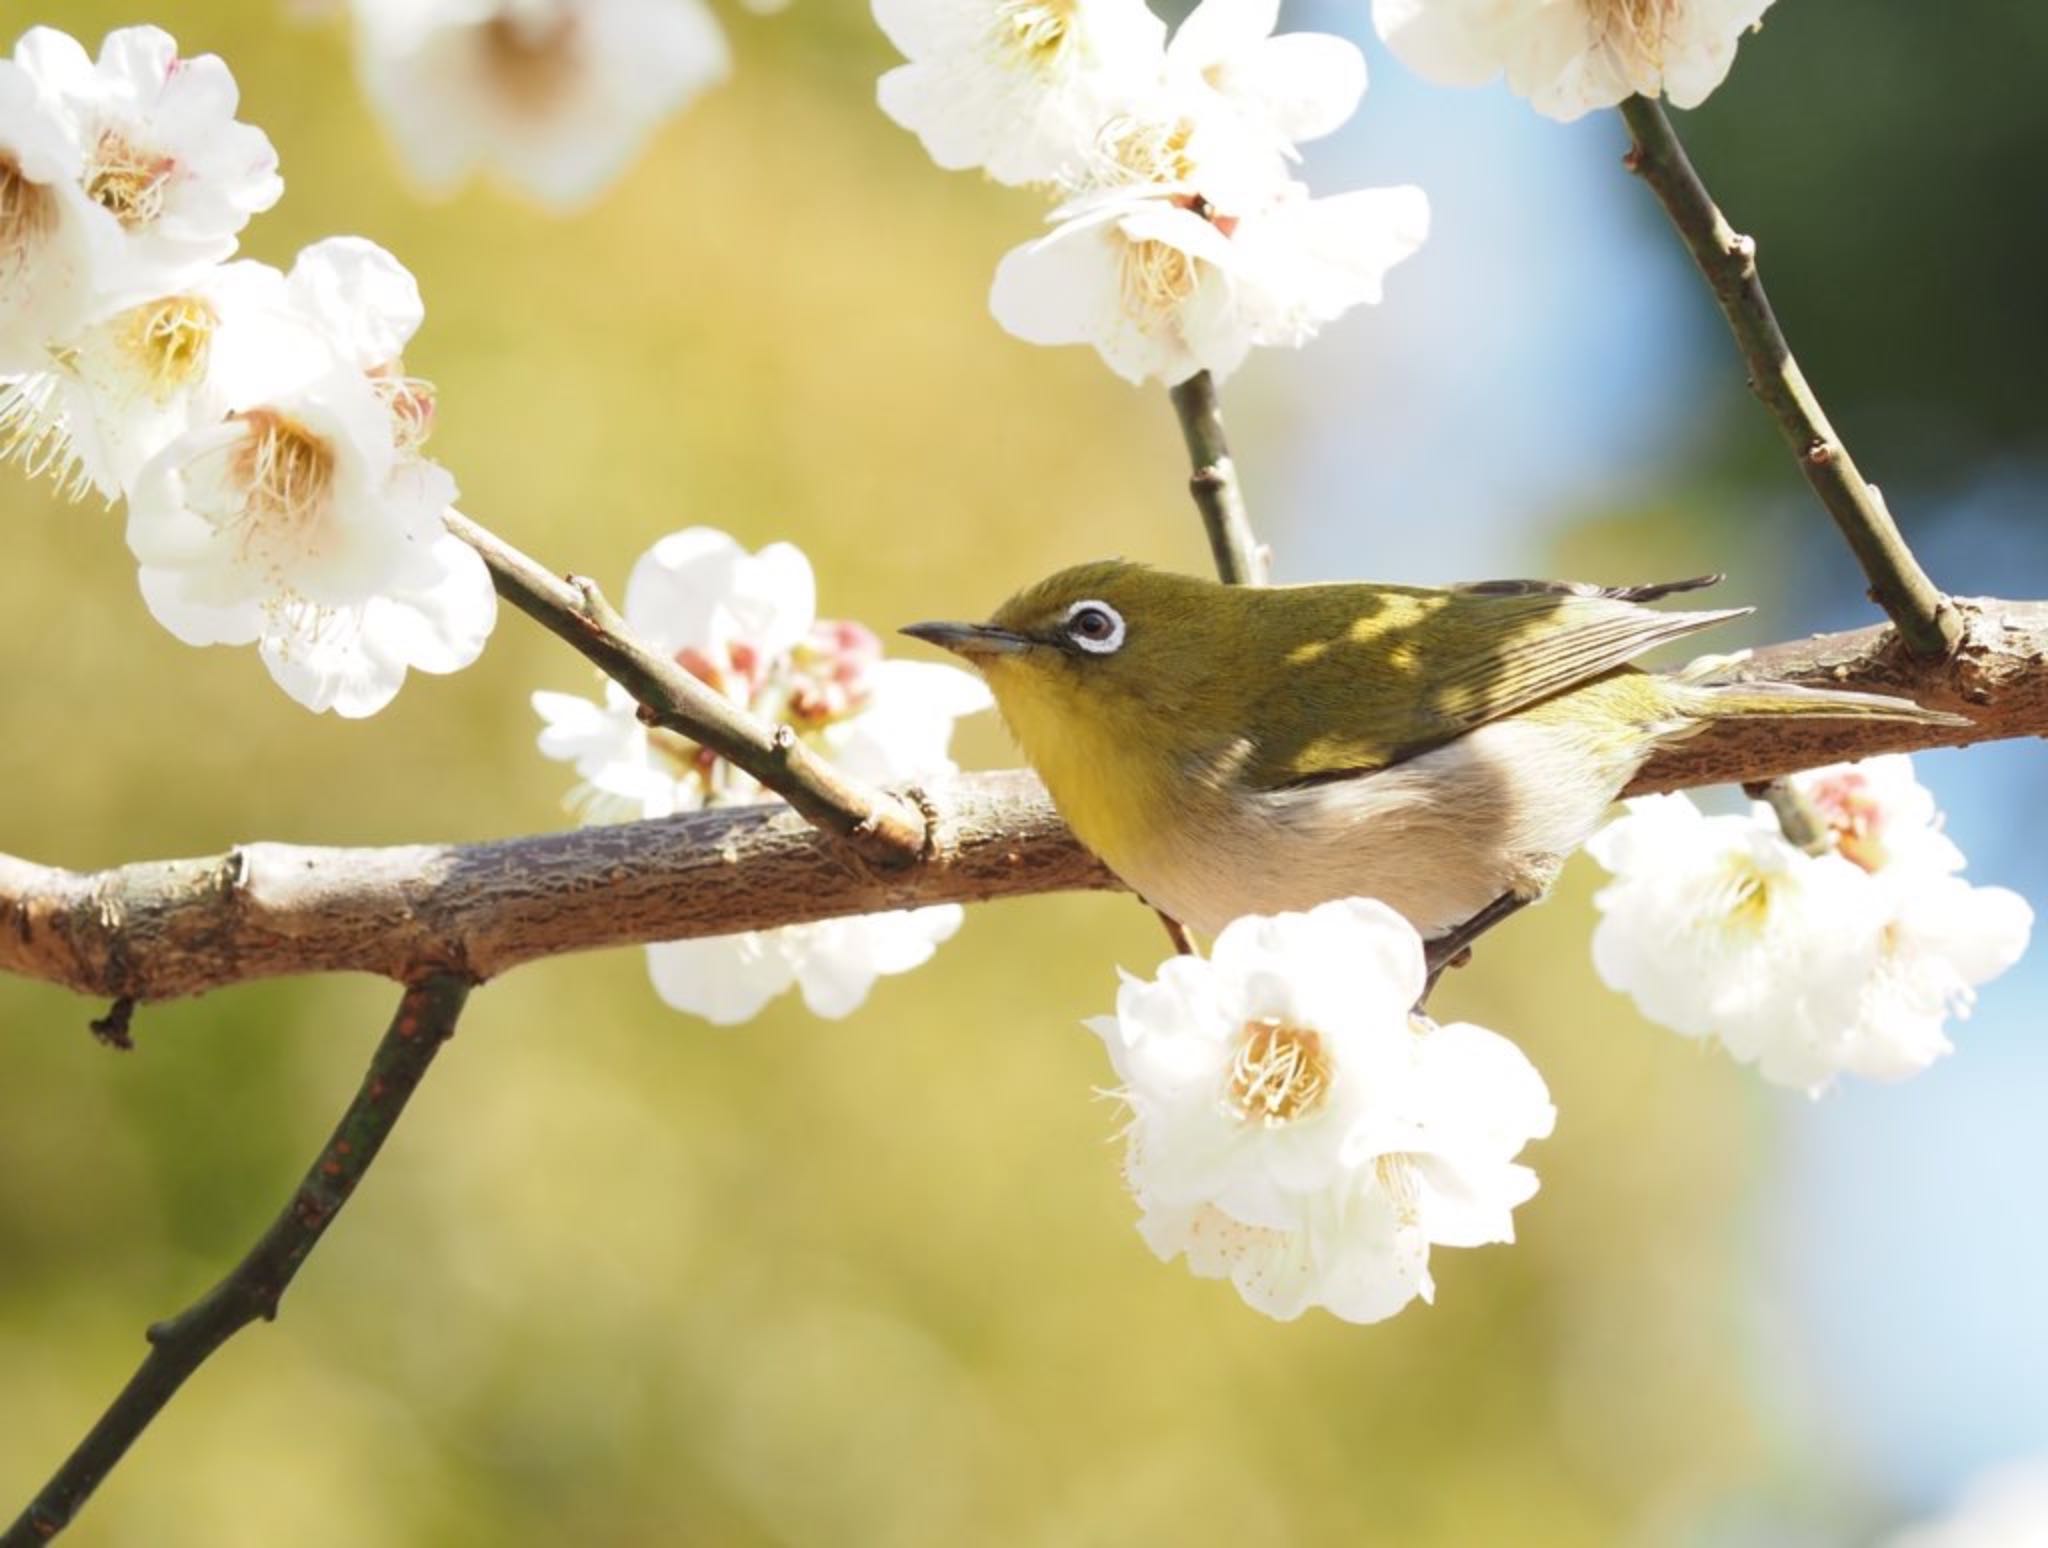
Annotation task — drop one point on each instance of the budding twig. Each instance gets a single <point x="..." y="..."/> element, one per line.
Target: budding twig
<point x="1239" y="560"/>
<point x="180" y="1345"/>
<point x="1926" y="619"/>
<point x="165" y="928"/>
<point x="885" y="828"/>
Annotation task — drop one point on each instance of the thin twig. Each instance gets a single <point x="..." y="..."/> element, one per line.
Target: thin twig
<point x="1727" y="260"/>
<point x="883" y="827"/>
<point x="156" y="930"/>
<point x="1239" y="559"/>
<point x="177" y="1347"/>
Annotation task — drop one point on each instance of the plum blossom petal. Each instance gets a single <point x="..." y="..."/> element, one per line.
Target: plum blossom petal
<point x="699" y="588"/>
<point x="1299" y="86"/>
<point x="354" y="661"/>
<point x="1296" y="1128"/>
<point x="554" y="97"/>
<point x="729" y="979"/>
<point x="365" y="302"/>
<point x="726" y="979"/>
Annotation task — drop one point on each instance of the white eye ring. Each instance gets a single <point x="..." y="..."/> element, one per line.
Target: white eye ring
<point x="1097" y="645"/>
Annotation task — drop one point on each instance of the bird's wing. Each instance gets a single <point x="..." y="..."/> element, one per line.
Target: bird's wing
<point x="1423" y="668"/>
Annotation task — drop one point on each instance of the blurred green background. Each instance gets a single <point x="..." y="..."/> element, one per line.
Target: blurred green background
<point x="621" y="1277"/>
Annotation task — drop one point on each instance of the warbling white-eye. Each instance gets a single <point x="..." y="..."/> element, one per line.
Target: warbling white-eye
<point x="1251" y="749"/>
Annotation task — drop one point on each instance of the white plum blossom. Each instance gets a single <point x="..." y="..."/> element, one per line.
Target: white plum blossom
<point x="1297" y="1128"/>
<point x="161" y="150"/>
<point x="1717" y="927"/>
<point x="1187" y="246"/>
<point x="1019" y="88"/>
<point x="56" y="245"/>
<point x="555" y="97"/>
<point x="747" y="626"/>
<point x="1807" y="964"/>
<point x="301" y="516"/>
<point x="1570" y="56"/>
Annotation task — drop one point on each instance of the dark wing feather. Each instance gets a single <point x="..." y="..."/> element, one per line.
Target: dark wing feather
<point x="1651" y="592"/>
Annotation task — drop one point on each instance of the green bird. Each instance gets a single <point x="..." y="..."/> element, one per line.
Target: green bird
<point x="1232" y="750"/>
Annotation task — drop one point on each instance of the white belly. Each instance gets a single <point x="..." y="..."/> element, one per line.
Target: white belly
<point x="1437" y="837"/>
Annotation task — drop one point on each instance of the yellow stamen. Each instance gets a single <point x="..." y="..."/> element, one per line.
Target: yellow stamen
<point x="171" y="339"/>
<point x="286" y="473"/>
<point x="1035" y="29"/>
<point x="411" y="400"/>
<point x="1280" y="1074"/>
<point x="35" y="437"/>
<point x="1396" y="1174"/>
<point x="1155" y="277"/>
<point x="1749" y="904"/>
<point x="1639" y="26"/>
<point x="1138" y="151"/>
<point x="129" y="183"/>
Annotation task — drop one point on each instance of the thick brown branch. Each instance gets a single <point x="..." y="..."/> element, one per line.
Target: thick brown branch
<point x="884" y="827"/>
<point x="1727" y="261"/>
<point x="178" y="927"/>
<point x="1239" y="559"/>
<point x="179" y="1345"/>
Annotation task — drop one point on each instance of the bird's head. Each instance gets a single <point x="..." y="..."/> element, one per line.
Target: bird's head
<point x="1108" y="654"/>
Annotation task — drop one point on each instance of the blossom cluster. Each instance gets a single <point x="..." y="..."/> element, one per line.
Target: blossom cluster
<point x="261" y="425"/>
<point x="1845" y="957"/>
<point x="1298" y="1128"/>
<point x="1181" y="238"/>
<point x="746" y="625"/>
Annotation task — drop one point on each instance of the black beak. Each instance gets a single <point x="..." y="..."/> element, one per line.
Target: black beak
<point x="969" y="640"/>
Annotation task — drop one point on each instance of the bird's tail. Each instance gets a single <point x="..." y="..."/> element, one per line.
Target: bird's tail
<point x="1740" y="700"/>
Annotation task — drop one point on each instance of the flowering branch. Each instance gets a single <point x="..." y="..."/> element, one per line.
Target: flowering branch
<point x="1726" y="259"/>
<point x="179" y="1345"/>
<point x="161" y="929"/>
<point x="884" y="828"/>
<point x="1239" y="558"/>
